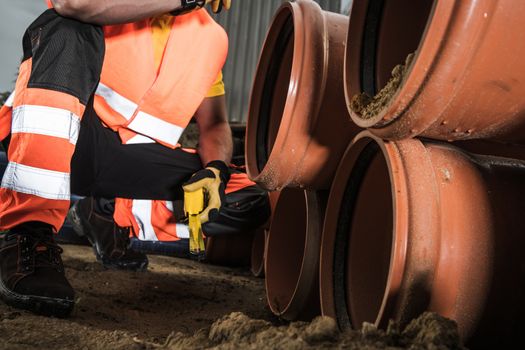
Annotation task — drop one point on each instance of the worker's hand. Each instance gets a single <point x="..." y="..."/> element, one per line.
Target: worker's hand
<point x="218" y="5"/>
<point x="212" y="180"/>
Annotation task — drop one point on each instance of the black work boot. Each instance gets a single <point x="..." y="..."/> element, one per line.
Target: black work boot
<point x="31" y="271"/>
<point x="110" y="242"/>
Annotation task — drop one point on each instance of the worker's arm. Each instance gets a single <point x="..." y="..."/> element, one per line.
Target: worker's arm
<point x="215" y="149"/>
<point x="215" y="140"/>
<point x="106" y="12"/>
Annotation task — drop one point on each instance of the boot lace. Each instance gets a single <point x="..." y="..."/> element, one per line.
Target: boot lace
<point x="38" y="249"/>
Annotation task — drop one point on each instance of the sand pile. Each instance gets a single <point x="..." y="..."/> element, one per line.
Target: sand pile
<point x="237" y="331"/>
<point x="368" y="107"/>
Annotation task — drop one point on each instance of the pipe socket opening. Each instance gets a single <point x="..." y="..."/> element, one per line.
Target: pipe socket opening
<point x="277" y="77"/>
<point x="285" y="249"/>
<point x="365" y="224"/>
<point x="382" y="34"/>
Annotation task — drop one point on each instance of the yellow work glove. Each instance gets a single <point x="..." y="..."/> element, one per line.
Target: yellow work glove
<point x="190" y="5"/>
<point x="218" y="5"/>
<point x="212" y="179"/>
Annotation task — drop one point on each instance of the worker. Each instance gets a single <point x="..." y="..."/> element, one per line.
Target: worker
<point x="102" y="97"/>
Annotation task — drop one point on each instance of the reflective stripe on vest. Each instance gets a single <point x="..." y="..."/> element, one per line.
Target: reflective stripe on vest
<point x="10" y="99"/>
<point x="133" y="96"/>
<point x="39" y="182"/>
<point x="146" y="214"/>
<point x="159" y="129"/>
<point x="141" y="210"/>
<point x="118" y="103"/>
<point x="139" y="139"/>
<point x="42" y="122"/>
<point x="142" y="123"/>
<point x="47" y="121"/>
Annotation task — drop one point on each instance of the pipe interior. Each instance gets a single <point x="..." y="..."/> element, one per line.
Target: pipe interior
<point x="369" y="232"/>
<point x="275" y="89"/>
<point x="286" y="247"/>
<point x="392" y="30"/>
<point x="258" y="246"/>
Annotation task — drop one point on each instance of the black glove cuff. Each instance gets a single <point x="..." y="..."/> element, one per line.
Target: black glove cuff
<point x="187" y="6"/>
<point x="223" y="168"/>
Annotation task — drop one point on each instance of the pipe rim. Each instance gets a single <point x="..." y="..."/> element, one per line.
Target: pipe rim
<point x="457" y="263"/>
<point x="426" y="57"/>
<point x="333" y="293"/>
<point x="399" y="234"/>
<point x="307" y="275"/>
<point x="258" y="254"/>
<point x="416" y="217"/>
<point x="303" y="15"/>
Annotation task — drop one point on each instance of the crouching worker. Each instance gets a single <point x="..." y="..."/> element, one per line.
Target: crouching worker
<point x="98" y="111"/>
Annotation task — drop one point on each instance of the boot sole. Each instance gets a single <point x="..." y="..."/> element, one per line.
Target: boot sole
<point x="121" y="265"/>
<point x="78" y="224"/>
<point x="46" y="306"/>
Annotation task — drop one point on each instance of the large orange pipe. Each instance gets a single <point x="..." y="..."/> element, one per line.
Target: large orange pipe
<point x="298" y="125"/>
<point x="258" y="253"/>
<point x="414" y="226"/>
<point x="260" y="240"/>
<point x="230" y="250"/>
<point x="467" y="79"/>
<point x="292" y="254"/>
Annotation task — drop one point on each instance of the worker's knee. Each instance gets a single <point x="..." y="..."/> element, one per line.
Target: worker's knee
<point x="66" y="54"/>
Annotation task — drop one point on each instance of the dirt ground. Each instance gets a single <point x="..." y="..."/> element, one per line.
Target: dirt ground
<point x="118" y="309"/>
<point x="181" y="304"/>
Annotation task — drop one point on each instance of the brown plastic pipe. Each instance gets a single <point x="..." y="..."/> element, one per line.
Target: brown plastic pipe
<point x="258" y="255"/>
<point x="230" y="250"/>
<point x="298" y="125"/>
<point x="493" y="148"/>
<point x="413" y="226"/>
<point x="467" y="79"/>
<point x="260" y="239"/>
<point x="292" y="255"/>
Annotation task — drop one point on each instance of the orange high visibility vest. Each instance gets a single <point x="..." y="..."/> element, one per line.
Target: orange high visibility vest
<point x="139" y="104"/>
<point x="143" y="106"/>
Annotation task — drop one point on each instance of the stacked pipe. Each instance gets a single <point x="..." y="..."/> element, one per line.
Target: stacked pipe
<point x="415" y="223"/>
<point x="424" y="209"/>
<point x="298" y="129"/>
<point x="260" y="240"/>
<point x="422" y="225"/>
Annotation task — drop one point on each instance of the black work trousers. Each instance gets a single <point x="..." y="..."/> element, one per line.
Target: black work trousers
<point x="103" y="167"/>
